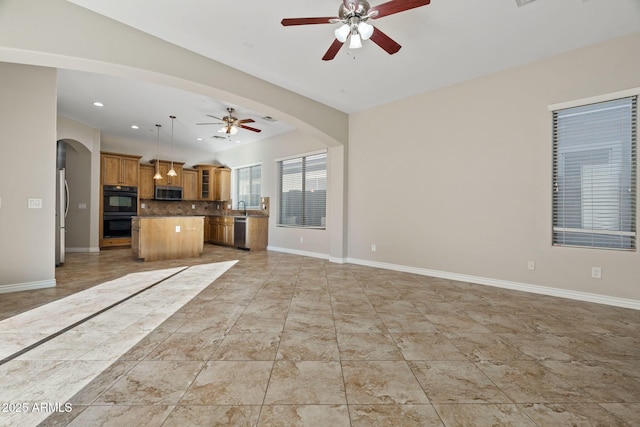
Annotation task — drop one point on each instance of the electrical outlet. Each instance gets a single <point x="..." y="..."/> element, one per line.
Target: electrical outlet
<point x="596" y="272"/>
<point x="35" y="203"/>
<point x="373" y="247"/>
<point x="301" y="239"/>
<point x="193" y="206"/>
<point x="531" y="265"/>
<point x="177" y="228"/>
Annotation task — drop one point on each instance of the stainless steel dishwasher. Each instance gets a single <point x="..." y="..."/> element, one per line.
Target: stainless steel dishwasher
<point x="240" y="232"/>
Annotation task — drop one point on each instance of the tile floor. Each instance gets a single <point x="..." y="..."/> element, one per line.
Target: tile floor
<point x="281" y="339"/>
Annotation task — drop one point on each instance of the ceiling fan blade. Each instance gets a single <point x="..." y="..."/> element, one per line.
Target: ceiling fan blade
<point x="249" y="128"/>
<point x="217" y="118"/>
<point x="210" y="123"/>
<point x="384" y="41"/>
<point x="306" y="21"/>
<point x="246" y="121"/>
<point x="333" y="50"/>
<point x="391" y="7"/>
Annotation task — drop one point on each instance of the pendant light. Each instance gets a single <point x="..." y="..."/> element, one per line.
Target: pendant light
<point x="172" y="172"/>
<point x="157" y="176"/>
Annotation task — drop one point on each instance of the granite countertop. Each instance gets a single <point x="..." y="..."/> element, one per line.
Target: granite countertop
<point x="168" y="216"/>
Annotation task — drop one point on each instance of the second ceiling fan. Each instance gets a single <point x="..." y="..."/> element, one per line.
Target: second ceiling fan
<point x="231" y="124"/>
<point x="354" y="14"/>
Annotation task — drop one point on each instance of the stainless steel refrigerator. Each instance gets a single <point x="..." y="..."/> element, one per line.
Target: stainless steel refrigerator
<point x="62" y="208"/>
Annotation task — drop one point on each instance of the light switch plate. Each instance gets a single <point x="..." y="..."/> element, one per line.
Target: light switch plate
<point x="177" y="228"/>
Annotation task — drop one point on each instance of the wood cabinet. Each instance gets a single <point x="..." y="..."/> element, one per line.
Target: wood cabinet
<point x="164" y="238"/>
<point x="214" y="183"/>
<point x="221" y="230"/>
<point x="164" y="166"/>
<point x="119" y="169"/>
<point x="145" y="189"/>
<point x="223" y="184"/>
<point x="257" y="233"/>
<point x="190" y="184"/>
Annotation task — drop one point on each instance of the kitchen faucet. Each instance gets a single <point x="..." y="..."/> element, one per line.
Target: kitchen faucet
<point x="244" y="205"/>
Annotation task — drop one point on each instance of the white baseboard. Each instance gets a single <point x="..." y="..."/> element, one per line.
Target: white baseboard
<point x="29" y="286"/>
<point x="516" y="286"/>
<point x="298" y="252"/>
<point x="83" y="250"/>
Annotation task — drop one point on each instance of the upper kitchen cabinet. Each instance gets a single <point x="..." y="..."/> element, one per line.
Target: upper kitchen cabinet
<point x="119" y="169"/>
<point x="164" y="166"/>
<point x="145" y="191"/>
<point x="214" y="182"/>
<point x="223" y="184"/>
<point x="190" y="184"/>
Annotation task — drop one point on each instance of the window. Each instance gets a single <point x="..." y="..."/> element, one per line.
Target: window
<point x="594" y="175"/>
<point x="303" y="191"/>
<point x="248" y="185"/>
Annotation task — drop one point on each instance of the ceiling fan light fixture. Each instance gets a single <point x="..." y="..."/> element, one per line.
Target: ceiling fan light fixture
<point x="365" y="30"/>
<point x="355" y="42"/>
<point x="342" y="33"/>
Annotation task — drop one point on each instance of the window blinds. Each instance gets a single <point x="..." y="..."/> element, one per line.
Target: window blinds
<point x="594" y="175"/>
<point x="303" y="191"/>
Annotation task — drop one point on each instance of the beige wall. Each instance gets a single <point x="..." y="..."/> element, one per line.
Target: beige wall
<point x="463" y="184"/>
<point x="28" y="153"/>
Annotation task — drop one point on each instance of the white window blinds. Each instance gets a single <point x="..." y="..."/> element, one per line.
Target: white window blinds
<point x="594" y="175"/>
<point x="248" y="185"/>
<point x="303" y="191"/>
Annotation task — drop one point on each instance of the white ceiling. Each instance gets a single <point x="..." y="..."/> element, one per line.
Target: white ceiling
<point x="446" y="42"/>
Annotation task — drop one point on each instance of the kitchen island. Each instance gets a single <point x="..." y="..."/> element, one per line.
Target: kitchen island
<point x="155" y="238"/>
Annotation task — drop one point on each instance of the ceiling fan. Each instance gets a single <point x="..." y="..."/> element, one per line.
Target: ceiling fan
<point x="231" y="124"/>
<point x="354" y="14"/>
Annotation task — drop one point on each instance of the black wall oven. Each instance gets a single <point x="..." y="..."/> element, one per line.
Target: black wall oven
<point x="119" y="204"/>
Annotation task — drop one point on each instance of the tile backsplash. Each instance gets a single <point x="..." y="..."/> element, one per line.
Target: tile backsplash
<point x="179" y="207"/>
<point x="151" y="207"/>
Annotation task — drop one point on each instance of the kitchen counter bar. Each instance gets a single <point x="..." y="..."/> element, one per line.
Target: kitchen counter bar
<point x="155" y="238"/>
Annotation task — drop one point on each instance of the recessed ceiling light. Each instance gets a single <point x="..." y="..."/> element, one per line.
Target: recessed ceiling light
<point x="135" y="127"/>
<point x="198" y="139"/>
<point x="98" y="104"/>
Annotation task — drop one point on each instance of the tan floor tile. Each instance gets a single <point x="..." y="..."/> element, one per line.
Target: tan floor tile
<point x="229" y="383"/>
<point x="456" y="382"/>
<point x="394" y="415"/>
<point x="424" y="346"/>
<point x="304" y="382"/>
<point x="148" y="384"/>
<point x="465" y="415"/>
<point x="367" y="346"/>
<point x="576" y="414"/>
<point x="624" y="411"/>
<point x="381" y="382"/>
<point x="304" y="415"/>
<point x="486" y="347"/>
<point x="186" y="346"/>
<point x="597" y="380"/>
<point x="237" y="416"/>
<point x="117" y="416"/>
<point x="312" y="345"/>
<point x="531" y="382"/>
<point x="248" y="346"/>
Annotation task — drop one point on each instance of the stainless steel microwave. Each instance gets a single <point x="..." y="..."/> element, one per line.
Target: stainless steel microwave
<point x="165" y="192"/>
